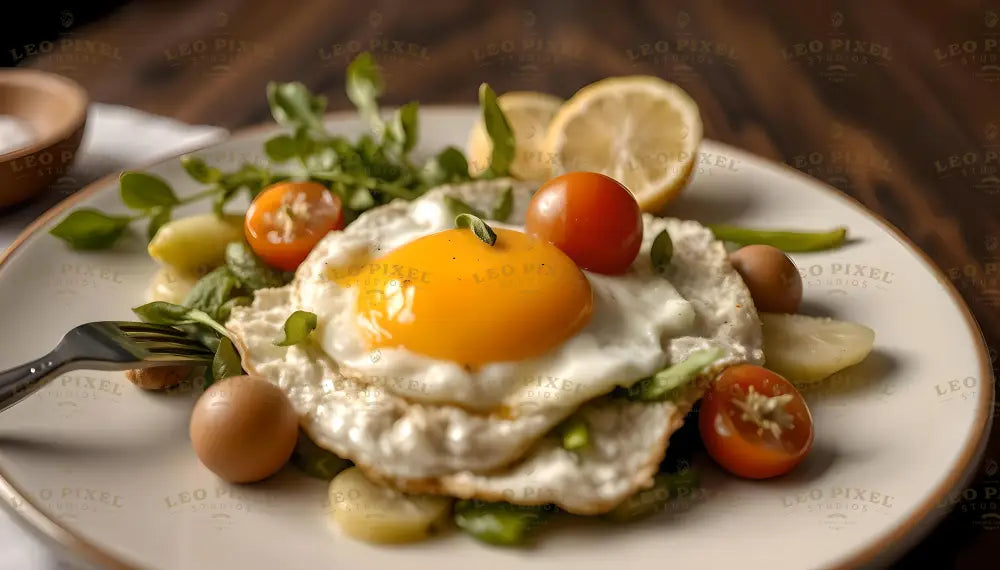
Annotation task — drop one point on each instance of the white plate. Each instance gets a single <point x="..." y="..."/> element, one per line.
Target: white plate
<point x="106" y="469"/>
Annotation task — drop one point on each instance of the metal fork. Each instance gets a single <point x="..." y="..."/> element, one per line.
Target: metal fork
<point x="105" y="345"/>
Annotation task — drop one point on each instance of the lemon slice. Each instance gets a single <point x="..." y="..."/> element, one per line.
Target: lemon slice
<point x="528" y="113"/>
<point x="640" y="130"/>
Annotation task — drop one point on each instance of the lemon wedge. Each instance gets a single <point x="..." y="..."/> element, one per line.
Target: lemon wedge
<point x="528" y="113"/>
<point x="640" y="130"/>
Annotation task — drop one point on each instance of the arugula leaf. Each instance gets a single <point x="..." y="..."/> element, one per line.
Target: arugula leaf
<point x="402" y="130"/>
<point x="364" y="86"/>
<point x="198" y="170"/>
<point x="212" y="291"/>
<point x="503" y="206"/>
<point x="501" y="524"/>
<point x="457" y="206"/>
<point x="88" y="228"/>
<point x="163" y="313"/>
<point x="575" y="434"/>
<point x="252" y="273"/>
<point x="447" y="166"/>
<point x="281" y="148"/>
<point x="141" y="191"/>
<point x="661" y="251"/>
<point x="161" y="215"/>
<point x="293" y="105"/>
<point x="297" y="328"/>
<point x="663" y="385"/>
<point x="478" y="227"/>
<point x="226" y="362"/>
<point x="500" y="133"/>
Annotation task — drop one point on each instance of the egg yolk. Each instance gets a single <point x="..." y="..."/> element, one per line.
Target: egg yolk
<point x="451" y="296"/>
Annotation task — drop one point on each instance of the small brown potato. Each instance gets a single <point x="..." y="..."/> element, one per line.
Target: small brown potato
<point x="158" y="377"/>
<point x="773" y="280"/>
<point x="244" y="429"/>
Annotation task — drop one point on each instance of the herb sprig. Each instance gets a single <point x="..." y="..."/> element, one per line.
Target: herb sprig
<point x="370" y="171"/>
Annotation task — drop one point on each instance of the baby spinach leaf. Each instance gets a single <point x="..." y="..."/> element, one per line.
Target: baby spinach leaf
<point x="226" y="362"/>
<point x="141" y="191"/>
<point x="500" y="133"/>
<point x="161" y="215"/>
<point x="88" y="228"/>
<point x="252" y="273"/>
<point x="297" y="328"/>
<point x="222" y="314"/>
<point x="212" y="291"/>
<point x="163" y="313"/>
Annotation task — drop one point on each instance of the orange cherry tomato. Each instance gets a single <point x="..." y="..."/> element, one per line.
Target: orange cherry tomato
<point x="591" y="217"/>
<point x="286" y="220"/>
<point x="754" y="423"/>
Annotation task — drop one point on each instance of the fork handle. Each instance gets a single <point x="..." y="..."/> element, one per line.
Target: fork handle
<point x="22" y="381"/>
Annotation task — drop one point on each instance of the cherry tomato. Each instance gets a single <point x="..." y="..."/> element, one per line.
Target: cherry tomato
<point x="754" y="423"/>
<point x="286" y="220"/>
<point x="591" y="217"/>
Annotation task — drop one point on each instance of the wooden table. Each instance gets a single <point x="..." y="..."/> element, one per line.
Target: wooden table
<point x="892" y="102"/>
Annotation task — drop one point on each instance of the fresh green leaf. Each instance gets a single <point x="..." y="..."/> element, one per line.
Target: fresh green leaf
<point x="503" y="206"/>
<point x="161" y="215"/>
<point x="478" y="227"/>
<point x="222" y="198"/>
<point x="163" y="313"/>
<point x="359" y="199"/>
<point x="315" y="461"/>
<point x="666" y="487"/>
<point x="226" y="362"/>
<point x="293" y="105"/>
<point x="321" y="159"/>
<point x="297" y="328"/>
<point x="501" y="524"/>
<point x="212" y="291"/>
<point x="661" y="251"/>
<point x="252" y="273"/>
<point x="141" y="191"/>
<point x="280" y="148"/>
<point x="575" y="433"/>
<point x="305" y="144"/>
<point x="198" y="170"/>
<point x="457" y="206"/>
<point x="222" y="314"/>
<point x="448" y="166"/>
<point x="664" y="385"/>
<point x="402" y="130"/>
<point x="500" y="133"/>
<point x="87" y="228"/>
<point x="364" y="86"/>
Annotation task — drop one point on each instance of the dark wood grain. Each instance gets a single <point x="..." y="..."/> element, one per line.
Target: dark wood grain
<point x="884" y="119"/>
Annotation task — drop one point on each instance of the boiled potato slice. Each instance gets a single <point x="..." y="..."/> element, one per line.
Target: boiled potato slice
<point x="807" y="349"/>
<point x="373" y="513"/>
<point x="196" y="244"/>
<point x="170" y="285"/>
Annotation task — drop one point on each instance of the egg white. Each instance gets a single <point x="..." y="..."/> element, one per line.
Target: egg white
<point x="405" y="434"/>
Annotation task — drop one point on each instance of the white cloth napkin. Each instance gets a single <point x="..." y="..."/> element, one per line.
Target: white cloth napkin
<point x="115" y="138"/>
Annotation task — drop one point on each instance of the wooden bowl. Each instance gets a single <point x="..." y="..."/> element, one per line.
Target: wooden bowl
<point x="55" y="108"/>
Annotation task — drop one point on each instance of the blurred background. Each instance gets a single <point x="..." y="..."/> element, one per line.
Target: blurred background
<point x="892" y="102"/>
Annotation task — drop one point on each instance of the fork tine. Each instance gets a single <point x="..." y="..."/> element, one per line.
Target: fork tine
<point x="129" y="328"/>
<point x="154" y="337"/>
<point x="177" y="356"/>
<point x="174" y="347"/>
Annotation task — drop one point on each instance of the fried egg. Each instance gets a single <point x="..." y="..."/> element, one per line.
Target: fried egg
<point x="440" y="362"/>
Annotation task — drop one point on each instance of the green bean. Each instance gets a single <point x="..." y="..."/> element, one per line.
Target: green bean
<point x="501" y="524"/>
<point x="783" y="240"/>
<point x="663" y="385"/>
<point x="575" y="434"/>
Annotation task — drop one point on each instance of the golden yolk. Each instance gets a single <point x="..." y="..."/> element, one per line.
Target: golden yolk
<point x="452" y="297"/>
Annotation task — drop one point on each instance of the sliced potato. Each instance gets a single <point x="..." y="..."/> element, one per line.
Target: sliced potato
<point x="196" y="244"/>
<point x="373" y="513"/>
<point x="170" y="285"/>
<point x="807" y="349"/>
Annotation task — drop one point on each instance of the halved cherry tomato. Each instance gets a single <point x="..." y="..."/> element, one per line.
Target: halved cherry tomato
<point x="754" y="423"/>
<point x="591" y="217"/>
<point x="288" y="219"/>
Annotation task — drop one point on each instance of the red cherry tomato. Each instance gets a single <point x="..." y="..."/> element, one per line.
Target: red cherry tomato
<point x="754" y="423"/>
<point x="591" y="217"/>
<point x="286" y="220"/>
